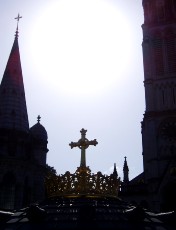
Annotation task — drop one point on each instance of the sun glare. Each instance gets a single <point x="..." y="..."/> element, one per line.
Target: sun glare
<point x="80" y="46"/>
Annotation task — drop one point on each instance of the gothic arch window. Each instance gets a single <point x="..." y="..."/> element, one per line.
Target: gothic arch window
<point x="7" y="195"/>
<point x="170" y="44"/>
<point x="157" y="47"/>
<point x="160" y="10"/>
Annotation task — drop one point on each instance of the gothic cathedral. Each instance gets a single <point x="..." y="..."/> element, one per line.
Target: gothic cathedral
<point x="159" y="122"/>
<point x="22" y="149"/>
<point x="156" y="186"/>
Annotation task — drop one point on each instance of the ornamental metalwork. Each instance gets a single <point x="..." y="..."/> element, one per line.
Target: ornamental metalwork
<point x="83" y="182"/>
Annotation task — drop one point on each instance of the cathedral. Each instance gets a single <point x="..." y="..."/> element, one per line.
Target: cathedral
<point x="23" y="150"/>
<point x="156" y="186"/>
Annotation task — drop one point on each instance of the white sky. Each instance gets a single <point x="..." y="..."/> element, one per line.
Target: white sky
<point x="82" y="68"/>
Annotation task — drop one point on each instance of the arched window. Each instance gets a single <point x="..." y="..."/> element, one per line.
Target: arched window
<point x="160" y="11"/>
<point x="170" y="42"/>
<point x="7" y="195"/>
<point x="157" y="47"/>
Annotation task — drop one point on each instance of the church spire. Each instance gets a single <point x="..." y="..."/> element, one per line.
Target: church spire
<point x="125" y="171"/>
<point x="13" y="110"/>
<point x="115" y="170"/>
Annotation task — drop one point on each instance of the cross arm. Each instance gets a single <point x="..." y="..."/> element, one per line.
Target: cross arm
<point x="93" y="142"/>
<point x="73" y="144"/>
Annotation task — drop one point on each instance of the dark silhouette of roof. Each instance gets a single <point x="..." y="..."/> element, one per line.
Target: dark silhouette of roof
<point x="13" y="110"/>
<point x="39" y="132"/>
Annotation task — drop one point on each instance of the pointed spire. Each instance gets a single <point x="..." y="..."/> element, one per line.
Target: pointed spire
<point x="115" y="170"/>
<point x="13" y="110"/>
<point x="125" y="171"/>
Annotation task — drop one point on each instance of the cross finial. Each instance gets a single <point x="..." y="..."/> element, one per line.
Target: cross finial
<point x="17" y="18"/>
<point x="38" y="118"/>
<point x="125" y="158"/>
<point x="83" y="144"/>
<point x="83" y="132"/>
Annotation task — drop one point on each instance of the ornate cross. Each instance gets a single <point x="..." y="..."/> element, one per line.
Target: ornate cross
<point x="83" y="144"/>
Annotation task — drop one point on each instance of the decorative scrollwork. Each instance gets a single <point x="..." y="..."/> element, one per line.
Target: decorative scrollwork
<point x="82" y="183"/>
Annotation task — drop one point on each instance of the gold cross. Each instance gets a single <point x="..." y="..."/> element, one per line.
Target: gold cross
<point x="83" y="144"/>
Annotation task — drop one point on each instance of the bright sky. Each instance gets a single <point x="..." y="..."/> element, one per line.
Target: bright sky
<point x="82" y="68"/>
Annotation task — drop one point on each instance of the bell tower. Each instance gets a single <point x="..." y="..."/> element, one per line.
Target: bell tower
<point x="159" y="122"/>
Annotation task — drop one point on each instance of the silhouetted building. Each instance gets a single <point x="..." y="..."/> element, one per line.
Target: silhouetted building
<point x="85" y="201"/>
<point x="22" y="149"/>
<point x="156" y="186"/>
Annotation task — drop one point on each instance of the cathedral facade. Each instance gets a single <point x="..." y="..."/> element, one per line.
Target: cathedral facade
<point x="157" y="184"/>
<point x="159" y="122"/>
<point x="22" y="149"/>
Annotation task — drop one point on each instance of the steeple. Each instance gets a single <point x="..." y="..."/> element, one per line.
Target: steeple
<point x="13" y="111"/>
<point x="125" y="171"/>
<point x="115" y="174"/>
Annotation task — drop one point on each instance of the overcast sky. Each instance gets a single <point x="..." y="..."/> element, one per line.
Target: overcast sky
<point x="82" y="68"/>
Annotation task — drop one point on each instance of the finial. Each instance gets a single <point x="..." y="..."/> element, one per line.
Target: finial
<point x="125" y="162"/>
<point x="114" y="166"/>
<point x="83" y="131"/>
<point x="115" y="169"/>
<point x="38" y="118"/>
<point x="125" y="171"/>
<point x="17" y="18"/>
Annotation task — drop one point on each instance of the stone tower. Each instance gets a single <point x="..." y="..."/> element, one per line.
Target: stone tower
<point x="22" y="149"/>
<point x="159" y="122"/>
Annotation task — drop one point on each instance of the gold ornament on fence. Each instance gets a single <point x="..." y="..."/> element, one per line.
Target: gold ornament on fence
<point x="83" y="182"/>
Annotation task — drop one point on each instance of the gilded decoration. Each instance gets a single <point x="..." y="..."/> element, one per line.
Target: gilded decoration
<point x="83" y="182"/>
